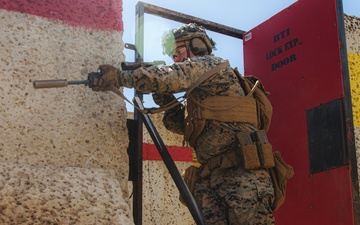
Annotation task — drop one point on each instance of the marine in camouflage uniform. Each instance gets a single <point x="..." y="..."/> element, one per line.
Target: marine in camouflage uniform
<point x="226" y="196"/>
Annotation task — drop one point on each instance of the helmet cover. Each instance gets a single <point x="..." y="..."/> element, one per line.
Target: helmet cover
<point x="192" y="33"/>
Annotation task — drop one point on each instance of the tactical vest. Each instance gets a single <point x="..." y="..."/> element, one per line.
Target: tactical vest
<point x="221" y="108"/>
<point x="254" y="108"/>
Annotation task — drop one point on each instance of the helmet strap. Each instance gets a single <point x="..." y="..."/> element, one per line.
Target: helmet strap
<point x="187" y="45"/>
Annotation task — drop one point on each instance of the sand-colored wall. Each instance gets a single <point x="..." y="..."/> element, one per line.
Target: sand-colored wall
<point x="352" y="27"/>
<point x="161" y="205"/>
<point x="62" y="151"/>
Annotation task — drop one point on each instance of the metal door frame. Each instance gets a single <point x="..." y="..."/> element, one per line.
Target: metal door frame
<point x="142" y="9"/>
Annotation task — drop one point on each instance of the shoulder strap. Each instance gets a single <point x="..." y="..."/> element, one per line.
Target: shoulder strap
<point x="145" y="110"/>
<point x="207" y="75"/>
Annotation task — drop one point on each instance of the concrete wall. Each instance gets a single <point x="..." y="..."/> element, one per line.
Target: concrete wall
<point x="161" y="205"/>
<point x="352" y="26"/>
<point x="62" y="151"/>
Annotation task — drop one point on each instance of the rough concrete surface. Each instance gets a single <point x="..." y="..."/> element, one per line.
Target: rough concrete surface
<point x="63" y="150"/>
<point x="161" y="205"/>
<point x="52" y="195"/>
<point x="352" y="27"/>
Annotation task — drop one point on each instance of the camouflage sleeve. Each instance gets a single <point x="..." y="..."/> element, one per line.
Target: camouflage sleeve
<point x="165" y="79"/>
<point x="163" y="99"/>
<point x="175" y="78"/>
<point x="173" y="119"/>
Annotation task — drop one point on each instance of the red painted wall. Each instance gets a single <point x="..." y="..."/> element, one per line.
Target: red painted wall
<point x="105" y="14"/>
<point x="296" y="55"/>
<point x="177" y="153"/>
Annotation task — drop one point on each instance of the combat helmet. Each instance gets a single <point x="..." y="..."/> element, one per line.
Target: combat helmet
<point x="194" y="36"/>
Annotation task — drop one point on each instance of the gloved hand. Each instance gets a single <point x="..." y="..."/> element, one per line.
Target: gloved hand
<point x="109" y="76"/>
<point x="163" y="99"/>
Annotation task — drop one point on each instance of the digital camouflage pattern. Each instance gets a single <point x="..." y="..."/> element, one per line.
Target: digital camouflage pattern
<point x="188" y="32"/>
<point x="237" y="195"/>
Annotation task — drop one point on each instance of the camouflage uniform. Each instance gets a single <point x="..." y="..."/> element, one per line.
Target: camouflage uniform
<point x="226" y="196"/>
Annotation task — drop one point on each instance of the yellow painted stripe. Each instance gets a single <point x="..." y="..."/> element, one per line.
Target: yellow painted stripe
<point x="354" y="70"/>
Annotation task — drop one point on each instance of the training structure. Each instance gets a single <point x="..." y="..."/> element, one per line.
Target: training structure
<point x="63" y="156"/>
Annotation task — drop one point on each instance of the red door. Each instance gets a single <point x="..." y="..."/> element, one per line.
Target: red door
<point x="300" y="56"/>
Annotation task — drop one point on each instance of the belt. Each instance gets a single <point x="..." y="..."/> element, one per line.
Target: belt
<point x="226" y="160"/>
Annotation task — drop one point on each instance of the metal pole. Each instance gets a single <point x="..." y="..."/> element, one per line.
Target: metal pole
<point x="170" y="165"/>
<point x="184" y="18"/>
<point x="138" y="168"/>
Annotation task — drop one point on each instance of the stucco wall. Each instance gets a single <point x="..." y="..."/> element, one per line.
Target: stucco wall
<point x="161" y="205"/>
<point x="352" y="26"/>
<point x="62" y="151"/>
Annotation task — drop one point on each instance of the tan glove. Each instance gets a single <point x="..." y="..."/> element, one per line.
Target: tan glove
<point x="109" y="77"/>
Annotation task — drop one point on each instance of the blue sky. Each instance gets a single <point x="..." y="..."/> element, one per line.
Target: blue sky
<point x="240" y="14"/>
